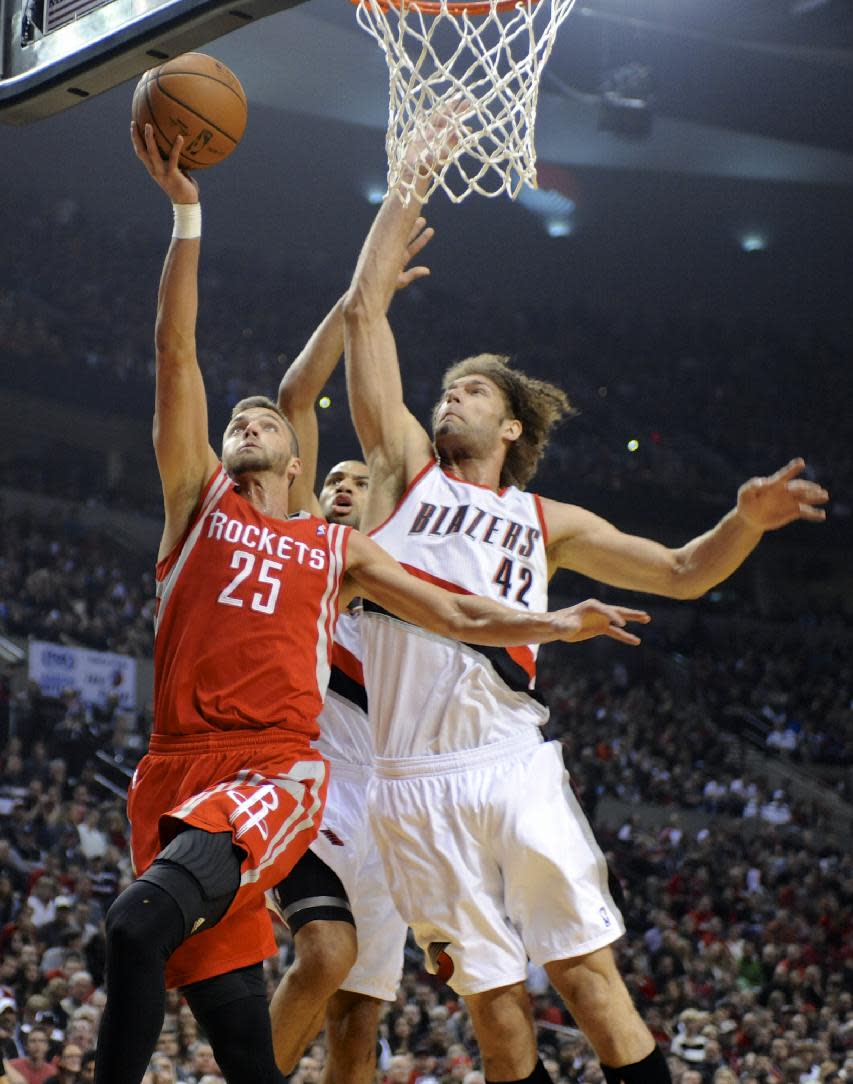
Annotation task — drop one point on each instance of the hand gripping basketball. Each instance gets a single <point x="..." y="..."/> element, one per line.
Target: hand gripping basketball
<point x="166" y="173"/>
<point x="198" y="98"/>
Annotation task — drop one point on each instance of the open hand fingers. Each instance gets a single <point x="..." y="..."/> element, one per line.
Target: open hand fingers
<point x="420" y="238"/>
<point x="814" y="515"/>
<point x="632" y="615"/>
<point x="786" y="473"/>
<point x="808" y="492"/>
<point x="622" y="635"/>
<point x="410" y="275"/>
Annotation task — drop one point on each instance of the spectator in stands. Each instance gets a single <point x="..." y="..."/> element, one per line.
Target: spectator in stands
<point x="69" y="1065"/>
<point x="34" y="1066"/>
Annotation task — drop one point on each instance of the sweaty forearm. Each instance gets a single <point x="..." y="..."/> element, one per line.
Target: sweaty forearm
<point x="712" y="557"/>
<point x="480" y="621"/>
<point x="382" y="255"/>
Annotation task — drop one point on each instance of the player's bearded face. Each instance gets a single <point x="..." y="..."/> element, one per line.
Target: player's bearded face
<point x="256" y="442"/>
<point x="468" y="417"/>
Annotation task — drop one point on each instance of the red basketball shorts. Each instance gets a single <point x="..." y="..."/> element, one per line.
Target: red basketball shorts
<point x="268" y="789"/>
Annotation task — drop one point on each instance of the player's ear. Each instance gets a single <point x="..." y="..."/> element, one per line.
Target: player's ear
<point x="294" y="469"/>
<point x="512" y="429"/>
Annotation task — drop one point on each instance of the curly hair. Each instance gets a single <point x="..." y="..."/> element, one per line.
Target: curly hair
<point x="255" y="401"/>
<point x="538" y="405"/>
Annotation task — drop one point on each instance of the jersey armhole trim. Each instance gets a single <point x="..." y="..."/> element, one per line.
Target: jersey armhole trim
<point x="421" y="473"/>
<point x="163" y="566"/>
<point x="540" y="512"/>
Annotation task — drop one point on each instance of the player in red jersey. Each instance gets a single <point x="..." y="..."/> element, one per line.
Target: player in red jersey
<point x="231" y="792"/>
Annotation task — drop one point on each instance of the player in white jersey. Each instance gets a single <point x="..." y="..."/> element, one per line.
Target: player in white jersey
<point x="488" y="857"/>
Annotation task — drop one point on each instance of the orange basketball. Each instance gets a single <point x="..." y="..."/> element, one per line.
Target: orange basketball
<point x="197" y="97"/>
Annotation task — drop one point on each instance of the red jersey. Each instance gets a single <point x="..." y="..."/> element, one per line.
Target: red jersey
<point x="246" y="608"/>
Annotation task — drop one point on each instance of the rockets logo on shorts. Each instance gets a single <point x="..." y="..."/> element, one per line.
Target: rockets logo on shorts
<point x="251" y="811"/>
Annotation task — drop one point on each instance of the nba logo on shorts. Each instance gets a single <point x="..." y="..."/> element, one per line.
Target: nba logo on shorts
<point x="605" y="918"/>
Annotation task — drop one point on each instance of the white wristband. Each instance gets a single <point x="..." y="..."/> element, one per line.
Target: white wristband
<point x="187" y="221"/>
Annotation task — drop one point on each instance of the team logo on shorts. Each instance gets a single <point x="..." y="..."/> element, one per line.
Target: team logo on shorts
<point x="440" y="961"/>
<point x="253" y="808"/>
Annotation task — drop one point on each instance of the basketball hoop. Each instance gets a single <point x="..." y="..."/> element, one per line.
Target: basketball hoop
<point x="488" y="54"/>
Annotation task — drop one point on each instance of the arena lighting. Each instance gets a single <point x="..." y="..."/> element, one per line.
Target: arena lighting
<point x="552" y="206"/>
<point x="753" y="242"/>
<point x="324" y="402"/>
<point x="558" y="227"/>
<point x="632" y="445"/>
<point x="546" y="201"/>
<point x="374" y="194"/>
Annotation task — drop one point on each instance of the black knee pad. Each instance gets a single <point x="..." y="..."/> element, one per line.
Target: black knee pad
<point x="201" y="872"/>
<point x="311" y="891"/>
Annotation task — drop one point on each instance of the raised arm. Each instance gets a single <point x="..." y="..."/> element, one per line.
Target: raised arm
<point x="588" y="544"/>
<point x="395" y="445"/>
<point x="306" y="378"/>
<point x="374" y="574"/>
<point x="184" y="456"/>
<point x="298" y="392"/>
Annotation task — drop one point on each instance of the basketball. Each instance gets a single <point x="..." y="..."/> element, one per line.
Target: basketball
<point x="195" y="96"/>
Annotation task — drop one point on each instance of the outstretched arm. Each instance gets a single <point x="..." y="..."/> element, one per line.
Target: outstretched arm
<point x="298" y="391"/>
<point x="394" y="443"/>
<point x="586" y="543"/>
<point x="306" y="378"/>
<point x="184" y="456"/>
<point x="374" y="574"/>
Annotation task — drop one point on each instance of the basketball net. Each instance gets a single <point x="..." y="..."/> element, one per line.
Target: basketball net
<point x="489" y="54"/>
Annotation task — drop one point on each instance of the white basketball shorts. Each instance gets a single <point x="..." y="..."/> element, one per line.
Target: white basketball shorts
<point x="346" y="844"/>
<point x="490" y="860"/>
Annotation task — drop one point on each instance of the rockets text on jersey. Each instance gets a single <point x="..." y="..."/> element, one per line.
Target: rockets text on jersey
<point x="246" y="605"/>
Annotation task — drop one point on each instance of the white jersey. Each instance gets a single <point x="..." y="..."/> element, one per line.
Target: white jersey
<point x="344" y="729"/>
<point x="431" y="695"/>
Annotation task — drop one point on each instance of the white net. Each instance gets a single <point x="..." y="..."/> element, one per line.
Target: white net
<point x="442" y="52"/>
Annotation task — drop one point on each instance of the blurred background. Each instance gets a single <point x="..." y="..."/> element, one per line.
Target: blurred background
<point x="683" y="272"/>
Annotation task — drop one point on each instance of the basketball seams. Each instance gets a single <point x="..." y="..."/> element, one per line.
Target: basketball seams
<point x="152" y="119"/>
<point x="192" y="108"/>
<point x="202" y="89"/>
<point x="241" y="94"/>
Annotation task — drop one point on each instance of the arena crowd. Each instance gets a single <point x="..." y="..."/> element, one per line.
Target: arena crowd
<point x="738" y="892"/>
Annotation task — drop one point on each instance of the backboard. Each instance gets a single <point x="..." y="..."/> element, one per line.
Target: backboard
<point x="56" y="53"/>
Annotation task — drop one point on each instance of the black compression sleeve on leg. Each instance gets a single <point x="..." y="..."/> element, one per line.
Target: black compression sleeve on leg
<point x="233" y="1011"/>
<point x="651" y="1070"/>
<point x="144" y="927"/>
<point x="538" y="1076"/>
<point x="312" y="890"/>
<point x="201" y="872"/>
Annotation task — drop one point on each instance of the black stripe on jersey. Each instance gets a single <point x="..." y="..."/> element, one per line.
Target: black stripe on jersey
<point x="345" y="686"/>
<point x="511" y="673"/>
